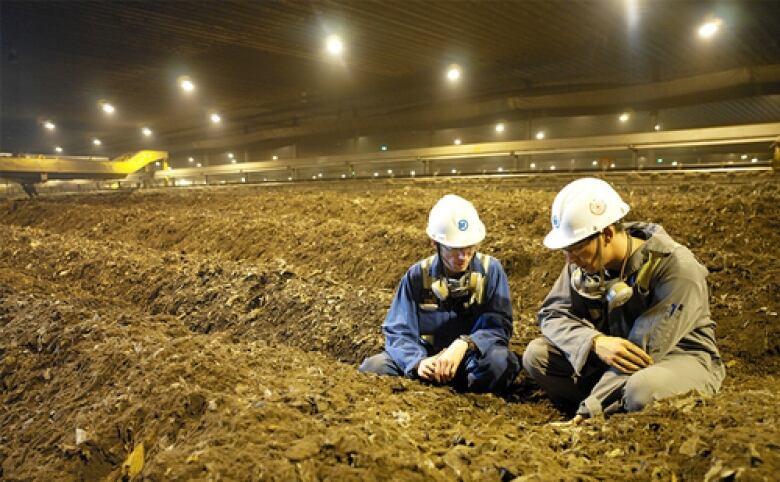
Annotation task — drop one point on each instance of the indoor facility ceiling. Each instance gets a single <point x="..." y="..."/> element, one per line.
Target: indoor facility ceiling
<point x="264" y="68"/>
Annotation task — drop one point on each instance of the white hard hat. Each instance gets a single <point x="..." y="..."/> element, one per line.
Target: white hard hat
<point x="582" y="208"/>
<point x="454" y="222"/>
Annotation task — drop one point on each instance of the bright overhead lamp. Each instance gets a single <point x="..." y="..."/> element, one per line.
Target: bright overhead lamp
<point x="146" y="131"/>
<point x="412" y="173"/>
<point x="500" y="127"/>
<point x="743" y="156"/>
<point x="230" y="155"/>
<point x="49" y="125"/>
<point x="533" y="165"/>
<point x="215" y="118"/>
<point x="540" y="135"/>
<point x="198" y="165"/>
<point x="186" y="84"/>
<point x="233" y="161"/>
<point x="624" y="117"/>
<point x="96" y="142"/>
<point x="190" y="160"/>
<point x="333" y="45"/>
<point x="657" y="127"/>
<point x="275" y="158"/>
<point x="552" y="168"/>
<point x="58" y="150"/>
<point x="453" y="73"/>
<point x="710" y="28"/>
<point x="456" y="142"/>
<point x="383" y="147"/>
<point x="500" y="169"/>
<point x="107" y="108"/>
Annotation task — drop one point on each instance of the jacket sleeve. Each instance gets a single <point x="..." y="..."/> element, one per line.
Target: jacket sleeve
<point x="680" y="302"/>
<point x="402" y="326"/>
<point x="494" y="324"/>
<point x="571" y="333"/>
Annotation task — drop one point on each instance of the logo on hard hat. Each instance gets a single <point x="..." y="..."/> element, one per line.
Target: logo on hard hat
<point x="556" y="221"/>
<point x="597" y="207"/>
<point x="463" y="225"/>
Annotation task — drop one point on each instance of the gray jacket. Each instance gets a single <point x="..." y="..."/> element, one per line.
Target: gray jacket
<point x="672" y="317"/>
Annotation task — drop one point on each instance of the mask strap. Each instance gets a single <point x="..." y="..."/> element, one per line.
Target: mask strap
<point x="628" y="255"/>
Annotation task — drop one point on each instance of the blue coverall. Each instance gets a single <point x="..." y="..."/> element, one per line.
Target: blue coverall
<point x="491" y="368"/>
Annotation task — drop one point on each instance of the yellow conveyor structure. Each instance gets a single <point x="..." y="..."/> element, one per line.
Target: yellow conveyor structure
<point x="31" y="169"/>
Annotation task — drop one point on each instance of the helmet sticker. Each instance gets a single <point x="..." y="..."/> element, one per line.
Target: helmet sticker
<point x="556" y="221"/>
<point x="463" y="225"/>
<point x="597" y="206"/>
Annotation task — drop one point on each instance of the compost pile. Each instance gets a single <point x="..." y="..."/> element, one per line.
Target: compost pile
<point x="219" y="330"/>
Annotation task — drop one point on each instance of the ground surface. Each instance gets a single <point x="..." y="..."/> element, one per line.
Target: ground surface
<point x="221" y="328"/>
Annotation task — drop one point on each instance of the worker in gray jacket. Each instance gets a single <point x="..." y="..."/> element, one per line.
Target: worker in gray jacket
<point x="628" y="320"/>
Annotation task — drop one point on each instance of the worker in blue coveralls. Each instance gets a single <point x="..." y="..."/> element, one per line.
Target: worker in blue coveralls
<point x="628" y="320"/>
<point x="451" y="318"/>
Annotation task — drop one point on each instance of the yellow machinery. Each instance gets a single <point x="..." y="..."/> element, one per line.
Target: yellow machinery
<point x="29" y="170"/>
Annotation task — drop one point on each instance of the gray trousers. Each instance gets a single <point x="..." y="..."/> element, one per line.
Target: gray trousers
<point x="600" y="388"/>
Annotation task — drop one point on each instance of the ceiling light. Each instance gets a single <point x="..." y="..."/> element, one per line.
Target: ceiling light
<point x="612" y="165"/>
<point x="243" y="179"/>
<point x="233" y="161"/>
<point x="674" y="163"/>
<point x="500" y="127"/>
<point x="552" y="168"/>
<point x="624" y="117"/>
<point x="198" y="165"/>
<point x="453" y="73"/>
<point x="275" y="158"/>
<point x="456" y="142"/>
<point x="595" y="163"/>
<point x="540" y="135"/>
<point x="500" y="169"/>
<point x="215" y="118"/>
<point x="343" y="176"/>
<point x="334" y="45"/>
<point x="319" y="174"/>
<point x="709" y="29"/>
<point x="743" y="156"/>
<point x="389" y="171"/>
<point x="58" y="150"/>
<point x="157" y="163"/>
<point x="533" y="165"/>
<point x="376" y="174"/>
<point x="96" y="142"/>
<point x="230" y="155"/>
<point x="454" y="171"/>
<point x="146" y="131"/>
<point x="383" y="147"/>
<point x="755" y="159"/>
<point x="186" y="84"/>
<point x="107" y="108"/>
<point x="657" y="127"/>
<point x="289" y="178"/>
<point x="49" y="125"/>
<point x="190" y="160"/>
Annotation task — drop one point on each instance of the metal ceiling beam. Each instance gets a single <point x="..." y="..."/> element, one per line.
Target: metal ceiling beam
<point x="678" y="92"/>
<point x="741" y="134"/>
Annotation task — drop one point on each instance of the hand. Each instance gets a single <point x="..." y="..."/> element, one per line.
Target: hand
<point x="621" y="354"/>
<point x="426" y="369"/>
<point x="448" y="361"/>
